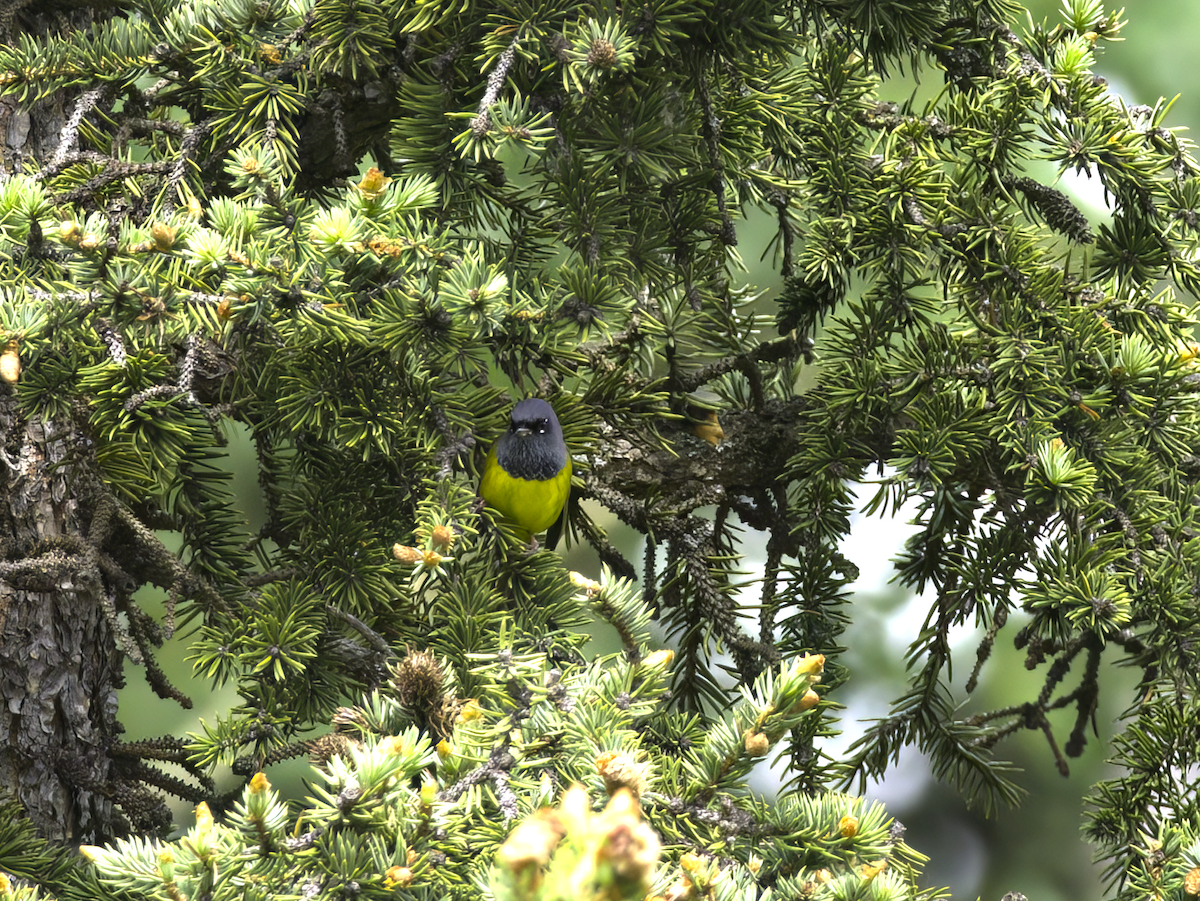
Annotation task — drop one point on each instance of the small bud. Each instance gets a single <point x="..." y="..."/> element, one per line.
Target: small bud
<point x="397" y="745"/>
<point x="848" y="826"/>
<point x="443" y="749"/>
<point x="757" y="744"/>
<point x="602" y="54"/>
<point x="871" y="870"/>
<point x="1191" y="882"/>
<point x="398" y="877"/>
<point x="693" y="863"/>
<point x="628" y="844"/>
<point x="259" y="783"/>
<point x="68" y="231"/>
<point x="590" y="586"/>
<point x="10" y="362"/>
<point x="429" y="792"/>
<point x="352" y="719"/>
<point x="809" y="700"/>
<point x="373" y="184"/>
<point x="163" y="235"/>
<point x="530" y="845"/>
<point x="470" y="712"/>
<point x="406" y="554"/>
<point x="204" y="817"/>
<point x="225" y="308"/>
<point x="442" y="538"/>
<point x="659" y="660"/>
<point x="89" y="242"/>
<point x="622" y="770"/>
<point x="811" y="664"/>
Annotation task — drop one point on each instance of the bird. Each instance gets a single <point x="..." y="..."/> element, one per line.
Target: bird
<point x="527" y="476"/>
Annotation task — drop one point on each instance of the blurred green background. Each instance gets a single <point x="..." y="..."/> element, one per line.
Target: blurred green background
<point x="1037" y="849"/>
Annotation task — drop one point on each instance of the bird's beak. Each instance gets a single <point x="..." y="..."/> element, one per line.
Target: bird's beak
<point x="524" y="432"/>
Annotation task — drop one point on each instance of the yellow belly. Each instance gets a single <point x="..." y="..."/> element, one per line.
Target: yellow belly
<point x="532" y="505"/>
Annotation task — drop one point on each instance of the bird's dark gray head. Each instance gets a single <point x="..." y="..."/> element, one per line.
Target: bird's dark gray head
<point x="533" y="446"/>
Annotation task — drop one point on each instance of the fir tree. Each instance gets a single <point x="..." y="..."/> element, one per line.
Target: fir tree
<point x="359" y="230"/>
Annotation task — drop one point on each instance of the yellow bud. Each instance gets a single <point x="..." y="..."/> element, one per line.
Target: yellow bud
<point x="398" y="877"/>
<point x="89" y="242"/>
<point x="627" y="843"/>
<point x="871" y="870"/>
<point x="406" y="554"/>
<point x="397" y="745"/>
<point x="373" y="184"/>
<point x="442" y="538"/>
<point x="532" y="842"/>
<point x="204" y="817"/>
<point x="165" y="856"/>
<point x="757" y="744"/>
<point x="811" y="664"/>
<point x="68" y="231"/>
<point x="91" y="853"/>
<point x="429" y="792"/>
<point x="848" y="826"/>
<point x="659" y="659"/>
<point x="431" y="559"/>
<point x="10" y="362"/>
<point x="693" y="863"/>
<point x="443" y="749"/>
<point x="470" y="712"/>
<point x="163" y="235"/>
<point x="622" y="769"/>
<point x="1191" y="882"/>
<point x="259" y="783"/>
<point x="590" y="586"/>
<point x="809" y="700"/>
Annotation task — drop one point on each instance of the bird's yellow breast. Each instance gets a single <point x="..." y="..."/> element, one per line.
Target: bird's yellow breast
<point x="534" y="505"/>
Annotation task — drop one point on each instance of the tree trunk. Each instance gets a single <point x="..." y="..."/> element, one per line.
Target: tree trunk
<point x="59" y="664"/>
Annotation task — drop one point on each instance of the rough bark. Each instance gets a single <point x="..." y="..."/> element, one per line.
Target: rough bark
<point x="59" y="665"/>
<point x="59" y="662"/>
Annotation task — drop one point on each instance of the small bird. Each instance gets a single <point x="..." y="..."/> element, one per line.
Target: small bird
<point x="527" y="476"/>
